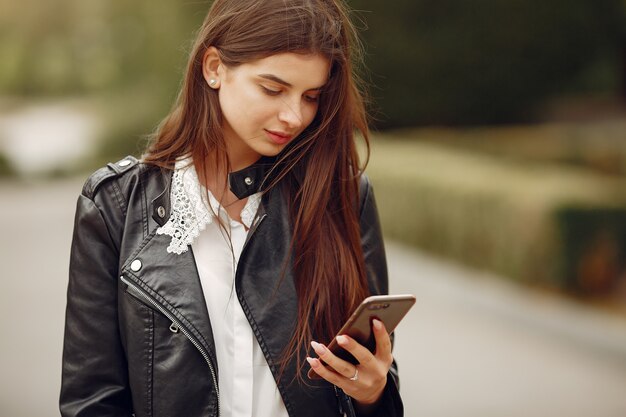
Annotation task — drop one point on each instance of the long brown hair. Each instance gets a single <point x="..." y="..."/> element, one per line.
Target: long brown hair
<point x="319" y="171"/>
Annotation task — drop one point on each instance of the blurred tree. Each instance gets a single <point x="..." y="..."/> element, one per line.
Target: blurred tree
<point x="74" y="46"/>
<point x="127" y="58"/>
<point x="433" y="61"/>
<point x="623" y="71"/>
<point x="485" y="61"/>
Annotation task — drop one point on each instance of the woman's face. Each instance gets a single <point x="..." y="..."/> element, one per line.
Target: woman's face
<point x="269" y="102"/>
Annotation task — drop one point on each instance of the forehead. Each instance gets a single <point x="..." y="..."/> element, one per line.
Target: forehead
<point x="300" y="70"/>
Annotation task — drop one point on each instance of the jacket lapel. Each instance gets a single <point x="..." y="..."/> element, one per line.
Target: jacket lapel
<point x="174" y="281"/>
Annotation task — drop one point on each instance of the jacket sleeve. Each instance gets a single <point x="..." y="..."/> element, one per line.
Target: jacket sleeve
<point x="94" y="371"/>
<point x="376" y="268"/>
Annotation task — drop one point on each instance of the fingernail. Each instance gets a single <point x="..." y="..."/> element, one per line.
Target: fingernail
<point x="342" y="340"/>
<point x="318" y="348"/>
<point x="377" y="324"/>
<point x="313" y="362"/>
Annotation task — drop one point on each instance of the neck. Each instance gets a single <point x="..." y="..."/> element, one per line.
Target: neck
<point x="213" y="174"/>
<point x="239" y="154"/>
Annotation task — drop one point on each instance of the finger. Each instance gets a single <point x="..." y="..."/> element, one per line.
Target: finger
<point x="360" y="352"/>
<point x="325" y="372"/>
<point x="340" y="366"/>
<point x="383" y="341"/>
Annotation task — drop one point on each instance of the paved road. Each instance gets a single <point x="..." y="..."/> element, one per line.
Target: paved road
<point x="472" y="346"/>
<point x="475" y="346"/>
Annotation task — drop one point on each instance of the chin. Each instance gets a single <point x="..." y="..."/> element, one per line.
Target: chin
<point x="270" y="150"/>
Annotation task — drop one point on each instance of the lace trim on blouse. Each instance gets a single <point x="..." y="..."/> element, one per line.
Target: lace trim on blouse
<point x="190" y="213"/>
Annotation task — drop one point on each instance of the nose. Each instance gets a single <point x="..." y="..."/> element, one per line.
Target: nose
<point x="291" y="115"/>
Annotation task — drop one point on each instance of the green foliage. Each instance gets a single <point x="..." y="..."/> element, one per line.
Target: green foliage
<point x="594" y="239"/>
<point x="444" y="61"/>
<point x="74" y="46"/>
<point x="482" y="61"/>
<point x="6" y="168"/>
<point x="598" y="146"/>
<point x="496" y="214"/>
<point x="127" y="57"/>
<point x="129" y="117"/>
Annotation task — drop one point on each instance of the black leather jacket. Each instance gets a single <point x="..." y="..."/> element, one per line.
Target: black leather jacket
<point x="138" y="338"/>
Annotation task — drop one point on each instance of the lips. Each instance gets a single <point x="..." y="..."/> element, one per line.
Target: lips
<point x="278" y="137"/>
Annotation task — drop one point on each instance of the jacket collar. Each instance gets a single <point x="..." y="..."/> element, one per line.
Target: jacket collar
<point x="247" y="181"/>
<point x="242" y="183"/>
<point x="161" y="208"/>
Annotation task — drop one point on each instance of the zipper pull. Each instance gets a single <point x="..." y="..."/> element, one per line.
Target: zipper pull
<point x="174" y="328"/>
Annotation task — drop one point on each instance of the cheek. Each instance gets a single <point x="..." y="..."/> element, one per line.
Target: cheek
<point x="309" y="113"/>
<point x="243" y="104"/>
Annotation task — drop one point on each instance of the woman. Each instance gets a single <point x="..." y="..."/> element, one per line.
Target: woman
<point x="203" y="277"/>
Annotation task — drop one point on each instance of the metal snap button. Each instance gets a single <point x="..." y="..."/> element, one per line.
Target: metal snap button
<point x="124" y="163"/>
<point x="248" y="181"/>
<point x="135" y="265"/>
<point x="161" y="211"/>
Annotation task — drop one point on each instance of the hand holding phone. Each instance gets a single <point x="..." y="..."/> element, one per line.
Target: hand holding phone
<point x="389" y="309"/>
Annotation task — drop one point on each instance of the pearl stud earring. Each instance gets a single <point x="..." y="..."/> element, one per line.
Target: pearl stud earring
<point x="212" y="82"/>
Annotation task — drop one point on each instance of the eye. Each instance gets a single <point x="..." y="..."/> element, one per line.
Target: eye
<point x="312" y="98"/>
<point x="269" y="91"/>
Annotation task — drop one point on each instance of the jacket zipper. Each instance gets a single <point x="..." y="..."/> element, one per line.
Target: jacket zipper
<point x="140" y="291"/>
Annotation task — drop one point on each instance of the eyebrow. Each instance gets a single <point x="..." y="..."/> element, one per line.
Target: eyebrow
<point x="272" y="77"/>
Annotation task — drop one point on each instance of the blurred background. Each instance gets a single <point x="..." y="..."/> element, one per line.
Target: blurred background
<point x="498" y="158"/>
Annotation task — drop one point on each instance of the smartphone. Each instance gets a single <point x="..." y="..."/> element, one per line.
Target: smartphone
<point x="389" y="309"/>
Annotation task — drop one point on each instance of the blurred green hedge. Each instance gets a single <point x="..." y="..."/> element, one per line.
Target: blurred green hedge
<point x="599" y="146"/>
<point x="6" y="167"/>
<point x="595" y="237"/>
<point x="538" y="223"/>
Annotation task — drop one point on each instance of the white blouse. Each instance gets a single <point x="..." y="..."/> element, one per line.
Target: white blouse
<point x="246" y="385"/>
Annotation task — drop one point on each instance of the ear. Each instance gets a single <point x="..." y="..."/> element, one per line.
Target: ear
<point x="211" y="67"/>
